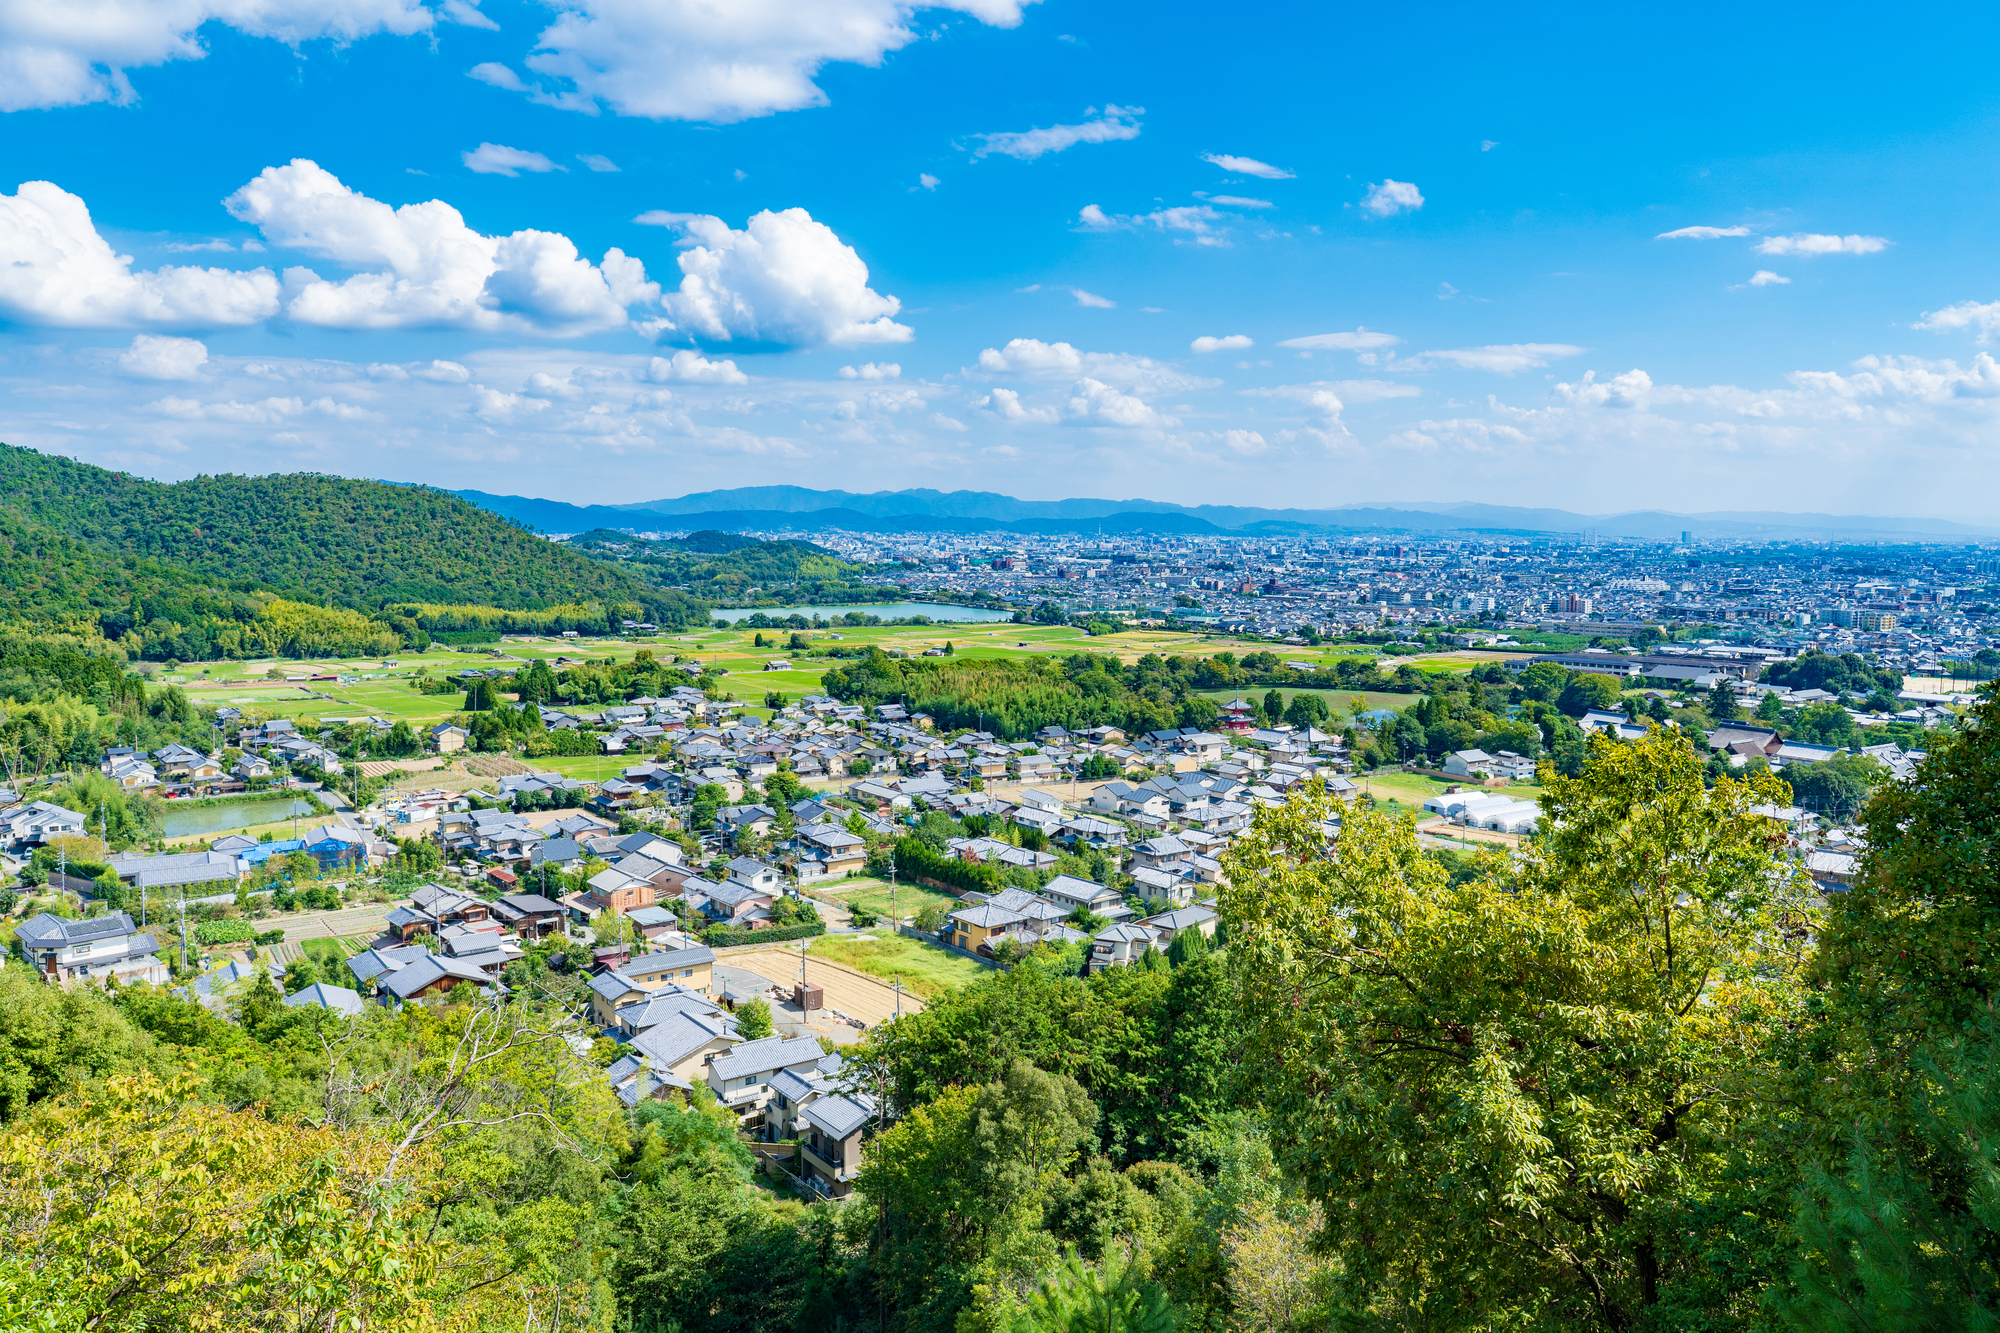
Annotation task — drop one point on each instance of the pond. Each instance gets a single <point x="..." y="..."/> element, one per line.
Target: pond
<point x="883" y="610"/>
<point x="201" y="820"/>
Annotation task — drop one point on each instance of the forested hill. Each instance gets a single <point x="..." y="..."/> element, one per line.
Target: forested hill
<point x="359" y="544"/>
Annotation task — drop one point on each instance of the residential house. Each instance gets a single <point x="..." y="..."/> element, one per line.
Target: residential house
<point x="1070" y="892"/>
<point x="1165" y="853"/>
<point x="33" y="824"/>
<point x="448" y="739"/>
<point x="1169" y="924"/>
<point x="738" y="821"/>
<point x="430" y="977"/>
<point x="128" y="771"/>
<point x="339" y="999"/>
<point x="108" y="947"/>
<point x="971" y="928"/>
<point x="614" y="890"/>
<point x="831" y="1129"/>
<point x="529" y="915"/>
<point x="219" y="869"/>
<point x="335" y="846"/>
<point x="741" y="1079"/>
<point x="1119" y="945"/>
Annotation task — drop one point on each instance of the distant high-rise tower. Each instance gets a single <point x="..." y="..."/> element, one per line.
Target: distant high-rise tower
<point x="1684" y="539"/>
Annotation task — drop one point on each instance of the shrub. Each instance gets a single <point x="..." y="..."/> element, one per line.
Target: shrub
<point x="225" y="932"/>
<point x="722" y="937"/>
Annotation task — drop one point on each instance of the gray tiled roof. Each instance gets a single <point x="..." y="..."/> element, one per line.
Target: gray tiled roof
<point x="768" y="1055"/>
<point x="841" y="1115"/>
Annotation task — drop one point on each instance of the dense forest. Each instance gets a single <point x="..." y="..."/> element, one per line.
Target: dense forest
<point x="297" y="565"/>
<point x="1395" y="1092"/>
<point x="729" y="567"/>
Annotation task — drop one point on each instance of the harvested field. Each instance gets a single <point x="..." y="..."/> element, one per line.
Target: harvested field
<point x="851" y="992"/>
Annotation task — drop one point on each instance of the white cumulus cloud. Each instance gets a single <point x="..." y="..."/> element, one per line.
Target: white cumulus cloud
<point x="1813" y="243"/>
<point x="871" y="370"/>
<point x="1763" y="277"/>
<point x="1117" y="122"/>
<point x="1361" y="340"/>
<point x="1245" y="442"/>
<point x="423" y="266"/>
<point x="784" y="279"/>
<point x="497" y="159"/>
<point x="74" y="52"/>
<point x="1628" y="390"/>
<point x="1095" y="403"/>
<point x="1231" y="343"/>
<point x="59" y="271"/>
<point x="694" y="368"/>
<point x="697" y="60"/>
<point x="1248" y="166"/>
<point x="1032" y="358"/>
<point x="1984" y="317"/>
<point x="1701" y="233"/>
<point x="155" y="358"/>
<point x="1390" y="198"/>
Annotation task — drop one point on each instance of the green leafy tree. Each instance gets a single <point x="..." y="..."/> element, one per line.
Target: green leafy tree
<point x="1510" y="1142"/>
<point x="753" y="1018"/>
<point x="1586" y="691"/>
<point x="1826" y="723"/>
<point x="1544" y="681"/>
<point x="1079" y="1298"/>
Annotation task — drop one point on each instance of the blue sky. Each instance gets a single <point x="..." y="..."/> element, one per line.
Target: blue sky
<point x="1331" y="255"/>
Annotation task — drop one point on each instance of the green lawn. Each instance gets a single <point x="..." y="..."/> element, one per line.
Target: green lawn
<point x="924" y="969"/>
<point x="873" y="894"/>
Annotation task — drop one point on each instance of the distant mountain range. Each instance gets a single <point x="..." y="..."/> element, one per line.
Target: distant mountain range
<point x="764" y="508"/>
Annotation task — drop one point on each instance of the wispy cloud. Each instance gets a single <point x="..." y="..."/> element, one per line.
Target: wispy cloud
<point x="1248" y="166"/>
<point x="1092" y="299"/>
<point x="497" y="159"/>
<point x="1117" y="122"/>
<point x="1814" y="243"/>
<point x="1232" y="343"/>
<point x="1361" y="340"/>
<point x="1501" y="359"/>
<point x="1965" y="315"/>
<point x="1198" y="221"/>
<point x="1701" y="233"/>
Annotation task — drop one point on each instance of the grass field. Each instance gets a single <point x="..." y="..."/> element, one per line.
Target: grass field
<point x="924" y="969"/>
<point x="384" y="689"/>
<point x="1335" y="699"/>
<point x="873" y="894"/>
<point x="1414" y="788"/>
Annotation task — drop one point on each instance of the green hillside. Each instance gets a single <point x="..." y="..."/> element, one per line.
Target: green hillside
<point x="723" y="566"/>
<point x="242" y="566"/>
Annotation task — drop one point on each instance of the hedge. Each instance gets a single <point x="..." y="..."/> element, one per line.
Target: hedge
<point x="225" y="932"/>
<point x="916" y="860"/>
<point x="722" y="937"/>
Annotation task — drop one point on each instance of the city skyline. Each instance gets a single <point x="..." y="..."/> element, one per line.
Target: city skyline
<point x="1043" y="249"/>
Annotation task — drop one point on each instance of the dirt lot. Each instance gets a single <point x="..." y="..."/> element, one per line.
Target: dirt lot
<point x="851" y="992"/>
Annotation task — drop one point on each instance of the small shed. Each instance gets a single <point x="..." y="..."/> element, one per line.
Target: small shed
<point x="809" y="997"/>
